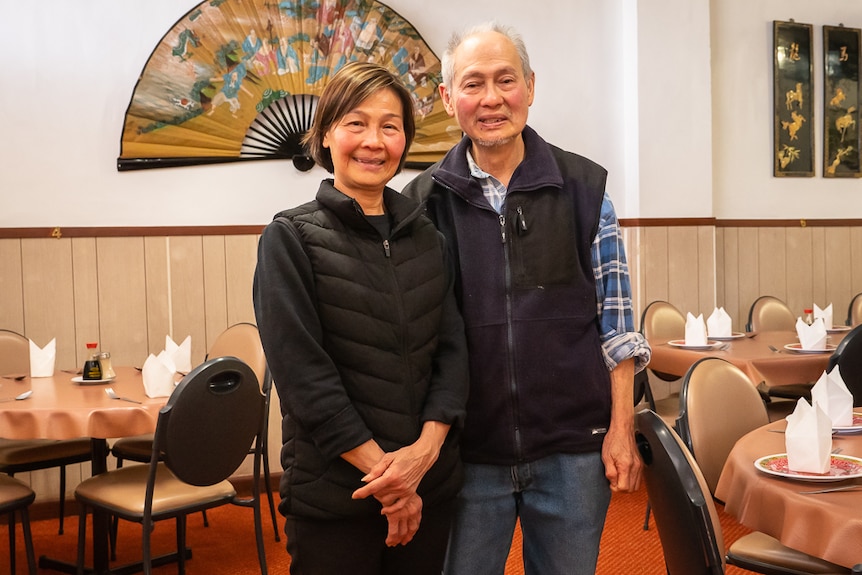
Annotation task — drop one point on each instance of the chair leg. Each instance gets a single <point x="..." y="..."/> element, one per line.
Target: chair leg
<point x="115" y="525"/>
<point x="62" y="497"/>
<point x="646" y="516"/>
<point x="146" y="548"/>
<point x="258" y="534"/>
<point x="82" y="537"/>
<point x="28" y="542"/>
<point x="12" y="542"/>
<point x="269" y="497"/>
<point x="181" y="544"/>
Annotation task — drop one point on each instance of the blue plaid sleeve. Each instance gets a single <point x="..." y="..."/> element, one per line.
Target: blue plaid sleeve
<point x="619" y="339"/>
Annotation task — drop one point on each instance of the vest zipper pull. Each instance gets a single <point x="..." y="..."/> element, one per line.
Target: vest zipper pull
<point x="522" y="221"/>
<point x="503" y="228"/>
<point x="386" y="248"/>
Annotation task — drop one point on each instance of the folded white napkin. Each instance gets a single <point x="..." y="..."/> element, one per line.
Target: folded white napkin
<point x="808" y="438"/>
<point x="811" y="336"/>
<point x="831" y="394"/>
<point x="695" y="330"/>
<point x="42" y="359"/>
<point x="825" y="314"/>
<point x="158" y="373"/>
<point x="718" y="324"/>
<point x="181" y="354"/>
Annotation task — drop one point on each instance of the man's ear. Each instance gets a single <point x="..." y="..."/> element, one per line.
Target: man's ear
<point x="447" y="99"/>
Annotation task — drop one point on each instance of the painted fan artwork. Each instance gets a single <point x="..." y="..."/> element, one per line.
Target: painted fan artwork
<point x="238" y="80"/>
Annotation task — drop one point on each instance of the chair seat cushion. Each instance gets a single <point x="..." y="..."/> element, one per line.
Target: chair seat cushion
<point x="760" y="550"/>
<point x="14" y="494"/>
<point x="123" y="491"/>
<point x="15" y="453"/>
<point x="791" y="391"/>
<point x="135" y="448"/>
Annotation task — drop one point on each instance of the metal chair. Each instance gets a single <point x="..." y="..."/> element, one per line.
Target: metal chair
<point x="848" y="358"/>
<point x="240" y="340"/>
<point x="768" y="313"/>
<point x="854" y="310"/>
<point x="661" y="320"/>
<point x="718" y="406"/>
<point x="24" y="455"/>
<point x="15" y="497"/>
<point x="687" y="521"/>
<point x="203" y="434"/>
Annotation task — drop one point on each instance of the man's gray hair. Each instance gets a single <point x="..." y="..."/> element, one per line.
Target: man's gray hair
<point x="448" y="64"/>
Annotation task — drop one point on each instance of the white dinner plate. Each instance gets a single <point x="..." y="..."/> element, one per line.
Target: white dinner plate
<point x="733" y="335"/>
<point x="841" y="467"/>
<point x="83" y="381"/>
<point x="855" y="428"/>
<point x="680" y="343"/>
<point x="797" y="347"/>
<point x="838" y="329"/>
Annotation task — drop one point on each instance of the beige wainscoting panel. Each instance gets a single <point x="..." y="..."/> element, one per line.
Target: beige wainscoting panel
<point x="839" y="266"/>
<point x="801" y="265"/>
<point x="796" y="275"/>
<point x="85" y="273"/>
<point x="691" y="288"/>
<point x="240" y="261"/>
<point x="188" y="311"/>
<point x="157" y="274"/>
<point x="748" y="261"/>
<point x="123" y="299"/>
<point x="632" y="242"/>
<point x="772" y="257"/>
<point x="856" y="259"/>
<point x="49" y="300"/>
<point x="655" y="275"/>
<point x="215" y="287"/>
<point x="706" y="266"/>
<point x="11" y="290"/>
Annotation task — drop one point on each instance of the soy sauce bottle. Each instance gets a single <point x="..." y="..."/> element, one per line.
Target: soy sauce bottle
<point x="92" y="367"/>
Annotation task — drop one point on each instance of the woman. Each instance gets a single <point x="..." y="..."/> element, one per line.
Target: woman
<point x="354" y="301"/>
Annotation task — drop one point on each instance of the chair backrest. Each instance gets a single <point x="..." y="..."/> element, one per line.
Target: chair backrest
<point x="854" y="310"/>
<point x="848" y="357"/>
<point x="688" y="525"/>
<point x="14" y="352"/>
<point x="662" y="320"/>
<point x="242" y="340"/>
<point x="769" y="313"/>
<point x="210" y="421"/>
<point x="718" y="406"/>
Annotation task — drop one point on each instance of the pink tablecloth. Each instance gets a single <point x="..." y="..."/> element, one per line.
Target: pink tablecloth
<point x="753" y="356"/>
<point x="62" y="409"/>
<point x="827" y="525"/>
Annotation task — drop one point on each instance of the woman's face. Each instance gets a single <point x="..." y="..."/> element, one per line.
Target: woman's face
<point x="367" y="143"/>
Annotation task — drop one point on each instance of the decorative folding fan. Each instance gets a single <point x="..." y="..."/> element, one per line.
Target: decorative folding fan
<point x="239" y="80"/>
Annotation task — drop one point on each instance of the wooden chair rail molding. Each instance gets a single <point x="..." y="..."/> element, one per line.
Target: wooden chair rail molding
<point x="148" y="231"/>
<point x="676" y="222"/>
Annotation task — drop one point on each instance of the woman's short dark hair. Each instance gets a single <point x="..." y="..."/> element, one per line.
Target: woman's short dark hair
<point x="351" y="85"/>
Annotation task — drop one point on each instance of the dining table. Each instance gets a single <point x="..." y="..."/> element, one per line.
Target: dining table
<point x="64" y="406"/>
<point x="769" y="357"/>
<point x="816" y="514"/>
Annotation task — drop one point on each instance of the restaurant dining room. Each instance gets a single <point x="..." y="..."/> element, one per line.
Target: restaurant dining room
<point x="130" y="220"/>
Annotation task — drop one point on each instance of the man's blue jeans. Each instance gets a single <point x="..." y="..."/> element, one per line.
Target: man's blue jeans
<point x="561" y="500"/>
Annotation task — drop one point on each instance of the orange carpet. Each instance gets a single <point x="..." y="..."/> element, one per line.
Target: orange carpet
<point x="227" y="546"/>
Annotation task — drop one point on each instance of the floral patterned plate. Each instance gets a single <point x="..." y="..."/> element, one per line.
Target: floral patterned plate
<point x="855" y="428"/>
<point x="841" y="467"/>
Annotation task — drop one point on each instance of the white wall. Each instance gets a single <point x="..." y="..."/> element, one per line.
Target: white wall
<point x="742" y="116"/>
<point x="624" y="82"/>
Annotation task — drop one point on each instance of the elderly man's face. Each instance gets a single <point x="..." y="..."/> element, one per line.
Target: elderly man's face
<point x="490" y="97"/>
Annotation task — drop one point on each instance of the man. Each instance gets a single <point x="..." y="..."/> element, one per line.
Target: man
<point x="543" y="286"/>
